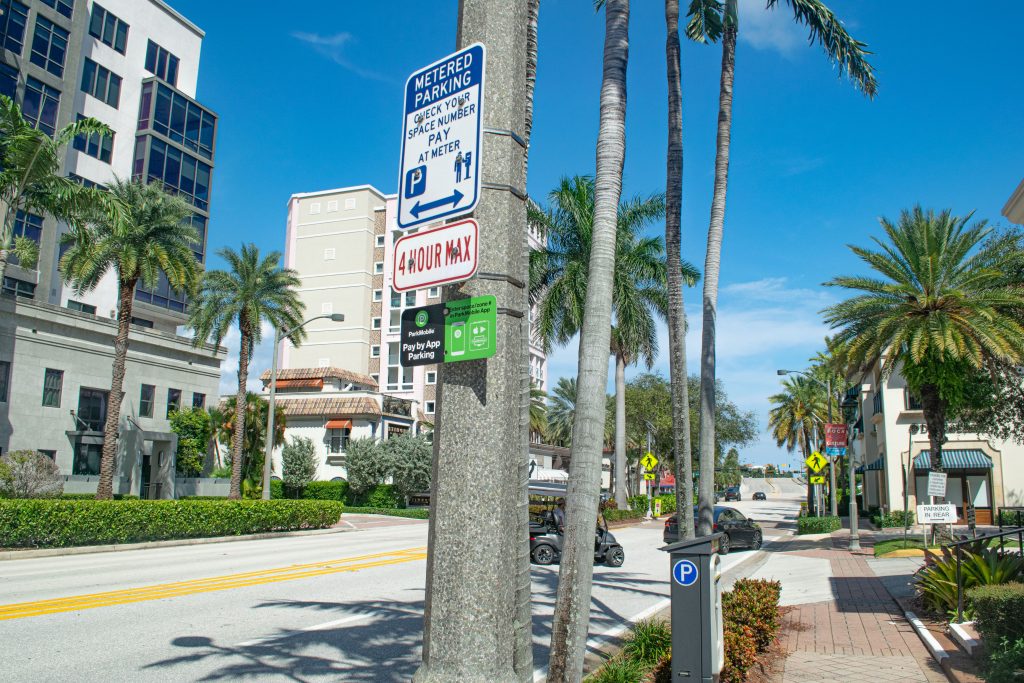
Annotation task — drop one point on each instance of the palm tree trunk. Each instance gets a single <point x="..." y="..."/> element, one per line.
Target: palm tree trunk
<point x="522" y="653"/>
<point x="934" y="408"/>
<point x="673" y="251"/>
<point x="712" y="262"/>
<point x="238" y="437"/>
<point x="572" y="609"/>
<point x="620" y="432"/>
<point x="108" y="460"/>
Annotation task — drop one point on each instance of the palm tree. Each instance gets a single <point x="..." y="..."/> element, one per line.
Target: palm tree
<point x="150" y="237"/>
<point x="939" y="307"/>
<point x="673" y="248"/>
<point x="559" y="282"/>
<point x="255" y="290"/>
<point x="709" y="21"/>
<point x="218" y="434"/>
<point x="793" y="414"/>
<point x="538" y="412"/>
<point x="30" y="180"/>
<point x="254" y="439"/>
<point x="561" y="411"/>
<point x="572" y="608"/>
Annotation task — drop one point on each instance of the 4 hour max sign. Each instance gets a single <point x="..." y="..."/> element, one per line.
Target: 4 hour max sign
<point x="446" y="254"/>
<point x="441" y="139"/>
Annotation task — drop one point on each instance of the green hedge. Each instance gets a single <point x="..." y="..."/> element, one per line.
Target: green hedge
<point x="61" y="523"/>
<point x="999" y="611"/>
<point x="380" y="496"/>
<point x="620" y="515"/>
<point x="92" y="496"/>
<point x="412" y="513"/>
<point x="895" y="518"/>
<point x="818" y="525"/>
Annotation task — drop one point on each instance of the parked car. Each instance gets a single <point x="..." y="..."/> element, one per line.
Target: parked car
<point x="739" y="531"/>
<point x="760" y="495"/>
<point x="733" y="493"/>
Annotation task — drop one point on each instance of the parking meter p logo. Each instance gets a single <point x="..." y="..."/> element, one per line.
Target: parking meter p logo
<point x="421" y="318"/>
<point x="685" y="573"/>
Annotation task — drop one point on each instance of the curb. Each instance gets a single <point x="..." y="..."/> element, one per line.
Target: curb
<point x="966" y="641"/>
<point x="936" y="650"/>
<point x="121" y="547"/>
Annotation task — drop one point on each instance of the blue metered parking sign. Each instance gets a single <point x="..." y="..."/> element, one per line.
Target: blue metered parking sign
<point x="685" y="573"/>
<point x="441" y="138"/>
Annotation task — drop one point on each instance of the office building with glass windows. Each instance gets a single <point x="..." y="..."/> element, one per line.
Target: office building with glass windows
<point x="133" y="65"/>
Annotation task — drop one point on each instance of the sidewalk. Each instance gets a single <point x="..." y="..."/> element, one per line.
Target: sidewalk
<point x="844" y="625"/>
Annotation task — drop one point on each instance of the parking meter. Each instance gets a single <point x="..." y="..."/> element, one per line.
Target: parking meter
<point x="698" y="647"/>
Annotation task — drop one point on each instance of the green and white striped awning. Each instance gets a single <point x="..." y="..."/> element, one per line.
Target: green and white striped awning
<point x="964" y="459"/>
<point x="878" y="464"/>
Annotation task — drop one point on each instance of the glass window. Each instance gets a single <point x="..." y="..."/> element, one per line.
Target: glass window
<point x="92" y="409"/>
<point x="198" y="400"/>
<point x="339" y="440"/>
<point x="380" y="240"/>
<point x="429" y="408"/>
<point x="87" y="458"/>
<point x="434" y="292"/>
<point x="28" y="225"/>
<point x="375" y="351"/>
<point x="410" y="298"/>
<point x="65" y="7"/>
<point x="5" y="377"/>
<point x="52" y="455"/>
<point x="53" y="381"/>
<point x="142" y="323"/>
<point x="431" y="377"/>
<point x="13" y="20"/>
<point x="79" y="306"/>
<point x="376" y="323"/>
<point x="101" y="83"/>
<point x="378" y="267"/>
<point x="8" y="79"/>
<point x="98" y="146"/>
<point x="108" y="29"/>
<point x="378" y="294"/>
<point x="173" y="400"/>
<point x="40" y="104"/>
<point x="147" y="396"/>
<point x="49" y="46"/>
<point x="14" y="287"/>
<point x="977" y="484"/>
<point x="161" y="63"/>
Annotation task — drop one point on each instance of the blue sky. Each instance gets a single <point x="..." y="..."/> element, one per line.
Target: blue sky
<point x="310" y="98"/>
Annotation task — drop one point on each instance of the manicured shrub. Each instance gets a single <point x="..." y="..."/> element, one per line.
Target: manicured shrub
<point x="979" y="566"/>
<point x="411" y="513"/>
<point x="740" y="652"/>
<point x="60" y="523"/>
<point x="754" y="603"/>
<point x="92" y="496"/>
<point x="1004" y="661"/>
<point x="621" y="515"/>
<point x="326" y="490"/>
<point x="29" y="474"/>
<point x="999" y="610"/>
<point x="638" y="503"/>
<point x="379" y="496"/>
<point x="668" y="504"/>
<point x="276" y="489"/>
<point x="894" y="518"/>
<point x="298" y="462"/>
<point x="817" y="525"/>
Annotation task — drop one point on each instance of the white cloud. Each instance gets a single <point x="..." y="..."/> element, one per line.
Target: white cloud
<point x="261" y="359"/>
<point x="333" y="47"/>
<point x="762" y="326"/>
<point x="769" y="29"/>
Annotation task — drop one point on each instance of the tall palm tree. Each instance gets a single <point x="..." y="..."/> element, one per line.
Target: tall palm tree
<point x="148" y="238"/>
<point x="254" y="290"/>
<point x="559" y="281"/>
<point x="572" y="607"/>
<point x="793" y="414"/>
<point x="673" y="248"/>
<point x="938" y="307"/>
<point x="709" y="21"/>
<point x="561" y="411"/>
<point x="538" y="411"/>
<point x="254" y="439"/>
<point x="30" y="180"/>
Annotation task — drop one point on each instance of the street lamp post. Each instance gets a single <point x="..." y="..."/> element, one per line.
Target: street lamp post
<point x="278" y="335"/>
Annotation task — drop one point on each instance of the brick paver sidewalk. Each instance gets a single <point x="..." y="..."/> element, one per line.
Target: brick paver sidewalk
<point x="859" y="635"/>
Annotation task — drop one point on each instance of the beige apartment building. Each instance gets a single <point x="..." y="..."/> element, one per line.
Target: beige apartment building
<point x="340" y="242"/>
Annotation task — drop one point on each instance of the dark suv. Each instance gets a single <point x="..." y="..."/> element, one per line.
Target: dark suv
<point x="732" y="493"/>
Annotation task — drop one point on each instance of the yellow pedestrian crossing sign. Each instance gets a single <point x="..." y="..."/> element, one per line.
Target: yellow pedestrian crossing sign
<point x="816" y="461"/>
<point x="649" y="461"/>
<point x="818" y="479"/>
<point x="649" y="476"/>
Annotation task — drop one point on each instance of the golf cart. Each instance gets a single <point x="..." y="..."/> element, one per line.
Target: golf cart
<point x="546" y="537"/>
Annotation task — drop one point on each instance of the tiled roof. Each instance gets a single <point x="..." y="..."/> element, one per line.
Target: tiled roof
<point x="329" y="407"/>
<point x="321" y="373"/>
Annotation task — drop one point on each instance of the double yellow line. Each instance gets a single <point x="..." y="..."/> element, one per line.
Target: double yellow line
<point x="217" y="583"/>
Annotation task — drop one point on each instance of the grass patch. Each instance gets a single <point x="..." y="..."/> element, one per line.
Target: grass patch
<point x="884" y="547"/>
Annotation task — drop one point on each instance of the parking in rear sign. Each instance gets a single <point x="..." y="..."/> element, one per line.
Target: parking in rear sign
<point x="439" y="175"/>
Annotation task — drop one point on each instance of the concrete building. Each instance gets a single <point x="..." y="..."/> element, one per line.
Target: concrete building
<point x="330" y="406"/>
<point x="340" y="242"/>
<point x="134" y="65"/>
<point x="1014" y="208"/>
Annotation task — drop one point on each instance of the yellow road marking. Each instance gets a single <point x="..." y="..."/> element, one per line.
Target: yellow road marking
<point x="217" y="583"/>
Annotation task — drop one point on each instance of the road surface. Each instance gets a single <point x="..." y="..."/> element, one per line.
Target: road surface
<point x="345" y="606"/>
